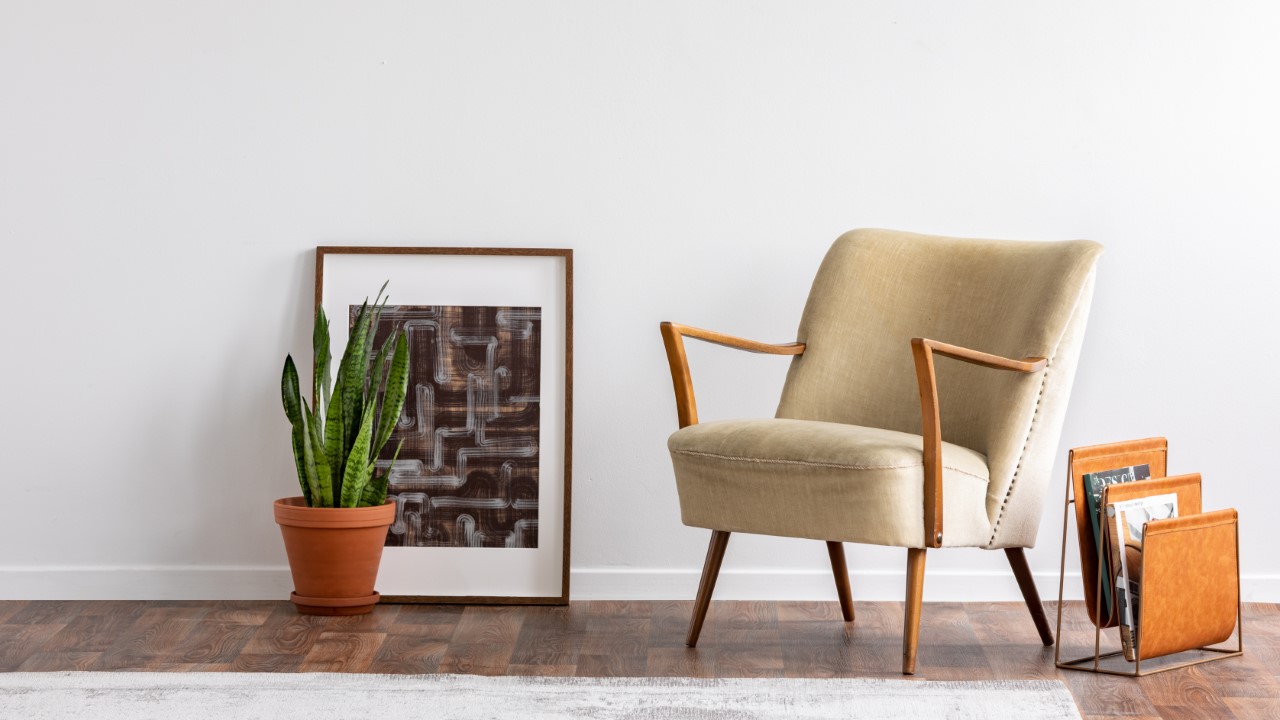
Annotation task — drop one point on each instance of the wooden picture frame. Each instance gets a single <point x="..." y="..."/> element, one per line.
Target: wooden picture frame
<point x="517" y="303"/>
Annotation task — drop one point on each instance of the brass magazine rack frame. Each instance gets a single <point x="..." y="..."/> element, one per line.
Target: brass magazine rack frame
<point x="1153" y="452"/>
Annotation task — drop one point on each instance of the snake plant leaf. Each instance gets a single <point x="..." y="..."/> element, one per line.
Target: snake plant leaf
<point x="293" y="409"/>
<point x="395" y="456"/>
<point x="376" y="366"/>
<point x="351" y="373"/>
<point x="375" y="493"/>
<point x="298" y="454"/>
<point x="397" y="389"/>
<point x="379" y="304"/>
<point x="361" y="478"/>
<point x="373" y="327"/>
<point x="322" y="491"/>
<point x="323" y="359"/>
<point x="312" y="479"/>
<point x="334" y="443"/>
<point x="358" y="468"/>
<point x="289" y="390"/>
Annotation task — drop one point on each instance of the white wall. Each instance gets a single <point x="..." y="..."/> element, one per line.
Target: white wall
<point x="166" y="169"/>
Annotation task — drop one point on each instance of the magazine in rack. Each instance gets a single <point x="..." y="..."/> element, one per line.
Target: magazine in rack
<point x="1127" y="526"/>
<point x="1095" y="482"/>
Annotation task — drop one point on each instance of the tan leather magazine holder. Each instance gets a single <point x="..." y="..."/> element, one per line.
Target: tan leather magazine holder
<point x="1190" y="595"/>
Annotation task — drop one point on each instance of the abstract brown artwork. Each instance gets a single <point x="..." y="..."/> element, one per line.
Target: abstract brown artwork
<point x="467" y="474"/>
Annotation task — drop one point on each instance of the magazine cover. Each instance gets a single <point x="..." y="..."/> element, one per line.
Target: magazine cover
<point x="1094" y="482"/>
<point x="1131" y="518"/>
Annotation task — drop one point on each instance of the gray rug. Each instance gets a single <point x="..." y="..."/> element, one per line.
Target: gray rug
<point x="331" y="696"/>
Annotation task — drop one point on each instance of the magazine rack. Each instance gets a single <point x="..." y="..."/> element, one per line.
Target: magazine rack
<point x="1191" y="564"/>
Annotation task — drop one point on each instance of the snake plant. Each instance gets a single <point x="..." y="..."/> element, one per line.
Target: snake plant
<point x="336" y="444"/>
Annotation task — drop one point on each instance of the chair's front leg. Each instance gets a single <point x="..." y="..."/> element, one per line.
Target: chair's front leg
<point x="840" y="568"/>
<point x="915" y="596"/>
<point x="710" y="571"/>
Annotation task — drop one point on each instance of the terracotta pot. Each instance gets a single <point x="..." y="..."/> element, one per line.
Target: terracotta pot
<point x="333" y="554"/>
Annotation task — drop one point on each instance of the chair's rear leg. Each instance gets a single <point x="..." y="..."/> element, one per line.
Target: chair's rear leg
<point x="915" y="595"/>
<point x="1022" y="571"/>
<point x="841" y="570"/>
<point x="710" y="570"/>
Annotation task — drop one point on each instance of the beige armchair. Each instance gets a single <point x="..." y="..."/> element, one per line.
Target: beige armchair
<point x="875" y="440"/>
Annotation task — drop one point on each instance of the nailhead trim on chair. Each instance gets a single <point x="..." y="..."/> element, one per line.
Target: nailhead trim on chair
<point x="1035" y="413"/>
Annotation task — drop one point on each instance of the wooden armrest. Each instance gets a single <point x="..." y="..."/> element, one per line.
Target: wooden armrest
<point x="717" y="338"/>
<point x="673" y="338"/>
<point x="1031" y="364"/>
<point x="923" y="350"/>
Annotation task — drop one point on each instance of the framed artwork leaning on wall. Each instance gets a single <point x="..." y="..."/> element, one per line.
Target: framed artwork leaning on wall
<point x="482" y="479"/>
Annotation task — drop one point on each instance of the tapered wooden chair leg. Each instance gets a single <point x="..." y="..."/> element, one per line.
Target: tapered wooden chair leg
<point x="710" y="571"/>
<point x="915" y="596"/>
<point x="1022" y="571"/>
<point x="841" y="570"/>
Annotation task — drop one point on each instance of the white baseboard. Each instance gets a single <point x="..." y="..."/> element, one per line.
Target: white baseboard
<point x="271" y="583"/>
<point x="170" y="582"/>
<point x="781" y="584"/>
<point x="940" y="585"/>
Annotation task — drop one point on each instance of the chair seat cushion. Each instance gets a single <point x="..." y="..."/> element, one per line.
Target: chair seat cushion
<point x="826" y="481"/>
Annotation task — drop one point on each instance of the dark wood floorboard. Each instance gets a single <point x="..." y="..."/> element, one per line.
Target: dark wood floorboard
<point x="958" y="641"/>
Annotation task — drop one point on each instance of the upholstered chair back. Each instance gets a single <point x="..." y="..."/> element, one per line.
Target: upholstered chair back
<point x="877" y="289"/>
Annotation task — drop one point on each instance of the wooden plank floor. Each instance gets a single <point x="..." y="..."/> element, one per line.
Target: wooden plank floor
<point x="972" y="641"/>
